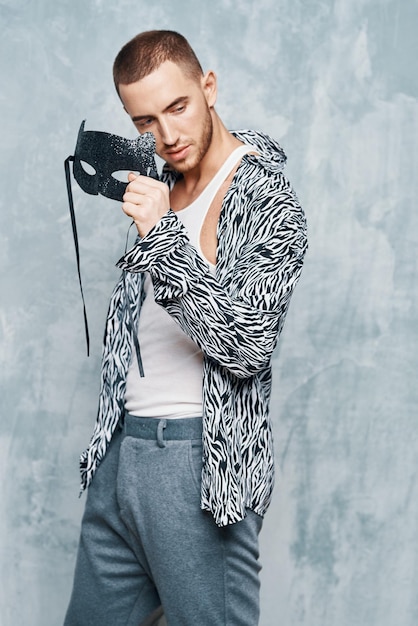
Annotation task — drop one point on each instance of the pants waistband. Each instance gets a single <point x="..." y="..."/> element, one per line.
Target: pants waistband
<point x="167" y="429"/>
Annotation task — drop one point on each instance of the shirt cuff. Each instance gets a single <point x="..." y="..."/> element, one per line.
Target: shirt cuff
<point x="167" y="235"/>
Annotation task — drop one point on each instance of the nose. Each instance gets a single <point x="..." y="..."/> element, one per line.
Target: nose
<point x="169" y="136"/>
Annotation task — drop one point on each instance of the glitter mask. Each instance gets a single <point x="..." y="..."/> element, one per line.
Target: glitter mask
<point x="107" y="154"/>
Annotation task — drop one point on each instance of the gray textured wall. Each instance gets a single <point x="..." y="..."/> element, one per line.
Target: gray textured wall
<point x="336" y="82"/>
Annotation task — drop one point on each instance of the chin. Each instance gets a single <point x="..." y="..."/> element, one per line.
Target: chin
<point x="182" y="166"/>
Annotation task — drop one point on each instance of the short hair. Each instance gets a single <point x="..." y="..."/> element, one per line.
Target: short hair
<point x="147" y="51"/>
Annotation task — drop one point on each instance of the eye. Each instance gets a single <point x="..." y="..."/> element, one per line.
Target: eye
<point x="144" y="123"/>
<point x="89" y="169"/>
<point x="121" y="175"/>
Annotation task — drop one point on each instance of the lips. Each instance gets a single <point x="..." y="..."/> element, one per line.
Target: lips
<point x="178" y="154"/>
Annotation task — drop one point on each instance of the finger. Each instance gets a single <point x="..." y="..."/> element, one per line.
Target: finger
<point x="148" y="182"/>
<point x="131" y="210"/>
<point x="138" y="185"/>
<point x="135" y="198"/>
<point x="132" y="176"/>
<point x="141" y="188"/>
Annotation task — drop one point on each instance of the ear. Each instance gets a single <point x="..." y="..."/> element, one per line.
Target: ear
<point x="210" y="87"/>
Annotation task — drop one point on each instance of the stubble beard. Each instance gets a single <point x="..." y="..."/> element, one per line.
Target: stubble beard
<point x="202" y="145"/>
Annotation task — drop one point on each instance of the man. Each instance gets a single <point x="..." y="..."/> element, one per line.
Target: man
<point x="182" y="457"/>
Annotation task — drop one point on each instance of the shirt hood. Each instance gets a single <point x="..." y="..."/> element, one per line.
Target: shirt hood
<point x="272" y="156"/>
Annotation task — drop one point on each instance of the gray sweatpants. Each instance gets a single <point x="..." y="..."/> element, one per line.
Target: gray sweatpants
<point x="146" y="542"/>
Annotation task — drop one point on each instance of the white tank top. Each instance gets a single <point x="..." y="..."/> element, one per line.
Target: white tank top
<point x="172" y="385"/>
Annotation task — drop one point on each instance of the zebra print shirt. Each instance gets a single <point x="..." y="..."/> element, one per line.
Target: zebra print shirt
<point x="235" y="318"/>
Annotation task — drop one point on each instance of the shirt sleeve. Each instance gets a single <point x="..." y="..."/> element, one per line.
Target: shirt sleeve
<point x="237" y="322"/>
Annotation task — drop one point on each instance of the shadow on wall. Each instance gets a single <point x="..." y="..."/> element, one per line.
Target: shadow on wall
<point x="155" y="619"/>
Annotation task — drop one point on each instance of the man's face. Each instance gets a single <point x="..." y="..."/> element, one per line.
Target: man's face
<point x="177" y="110"/>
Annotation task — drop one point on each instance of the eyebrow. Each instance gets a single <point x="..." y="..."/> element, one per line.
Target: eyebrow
<point x="181" y="100"/>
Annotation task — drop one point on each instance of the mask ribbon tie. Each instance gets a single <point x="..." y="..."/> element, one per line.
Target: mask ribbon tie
<point x="77" y="251"/>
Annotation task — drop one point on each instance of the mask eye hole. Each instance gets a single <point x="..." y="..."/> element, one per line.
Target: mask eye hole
<point x="89" y="169"/>
<point x="122" y="175"/>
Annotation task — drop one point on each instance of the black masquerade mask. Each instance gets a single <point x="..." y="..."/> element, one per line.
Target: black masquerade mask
<point x="106" y="154"/>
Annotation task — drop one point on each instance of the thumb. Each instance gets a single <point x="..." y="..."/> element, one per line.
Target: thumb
<point x="131" y="176"/>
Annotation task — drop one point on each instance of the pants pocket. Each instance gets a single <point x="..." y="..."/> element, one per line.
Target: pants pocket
<point x="196" y="463"/>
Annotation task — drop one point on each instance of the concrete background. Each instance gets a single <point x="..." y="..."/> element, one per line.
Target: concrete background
<point x="335" y="81"/>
